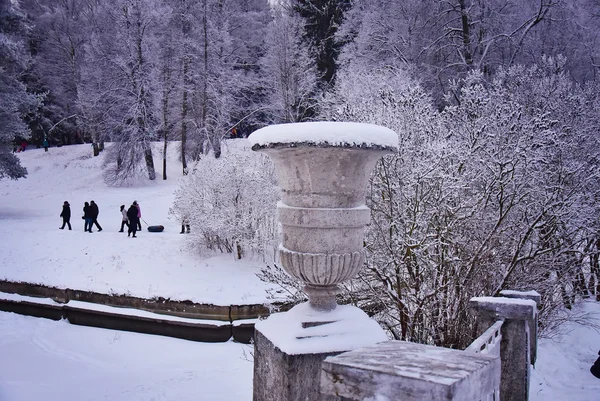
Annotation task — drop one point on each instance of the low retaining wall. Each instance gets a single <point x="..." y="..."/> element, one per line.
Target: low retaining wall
<point x="230" y="321"/>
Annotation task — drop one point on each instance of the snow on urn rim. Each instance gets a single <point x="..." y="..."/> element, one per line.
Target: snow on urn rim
<point x="325" y="134"/>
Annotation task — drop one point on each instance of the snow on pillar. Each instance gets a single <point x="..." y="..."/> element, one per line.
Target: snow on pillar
<point x="515" y="349"/>
<point x="533" y="324"/>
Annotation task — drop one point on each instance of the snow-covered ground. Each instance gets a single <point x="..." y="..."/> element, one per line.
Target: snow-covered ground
<point x="562" y="370"/>
<point x="33" y="249"/>
<point x="43" y="359"/>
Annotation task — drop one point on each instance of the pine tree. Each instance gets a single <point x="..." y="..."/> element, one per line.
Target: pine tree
<point x="322" y="19"/>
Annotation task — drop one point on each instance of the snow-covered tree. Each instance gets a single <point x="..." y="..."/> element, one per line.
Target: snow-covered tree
<point x="289" y="74"/>
<point x="490" y="194"/>
<point x="447" y="39"/>
<point x="15" y="102"/>
<point x="58" y="39"/>
<point x="119" y="97"/>
<point x="230" y="203"/>
<point x="321" y="20"/>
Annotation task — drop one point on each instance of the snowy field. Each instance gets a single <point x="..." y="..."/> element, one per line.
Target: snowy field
<point x="43" y="359"/>
<point x="33" y="249"/>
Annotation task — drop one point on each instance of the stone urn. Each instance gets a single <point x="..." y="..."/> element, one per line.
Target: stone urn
<point x="323" y="169"/>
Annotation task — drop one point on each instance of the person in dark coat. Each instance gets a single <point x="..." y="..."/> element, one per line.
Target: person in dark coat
<point x="94" y="212"/>
<point x="595" y="369"/>
<point x="139" y="215"/>
<point x="132" y="215"/>
<point x="185" y="223"/>
<point x="124" y="218"/>
<point x="87" y="217"/>
<point x="66" y="215"/>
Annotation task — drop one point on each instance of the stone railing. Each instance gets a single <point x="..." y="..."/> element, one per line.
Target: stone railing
<point x="489" y="342"/>
<point x="494" y="367"/>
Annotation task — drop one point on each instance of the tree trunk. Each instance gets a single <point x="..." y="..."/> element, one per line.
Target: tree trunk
<point x="149" y="161"/>
<point x="165" y="133"/>
<point x="184" y="104"/>
<point x="205" y="83"/>
<point x="184" y="110"/>
<point x="466" y="34"/>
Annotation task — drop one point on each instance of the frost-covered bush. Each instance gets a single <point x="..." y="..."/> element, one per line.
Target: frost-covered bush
<point x="230" y="203"/>
<point x="492" y="193"/>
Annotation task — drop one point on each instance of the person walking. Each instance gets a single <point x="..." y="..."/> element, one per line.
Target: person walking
<point x="185" y="223"/>
<point x="124" y="219"/>
<point x="139" y="215"/>
<point x="87" y="217"/>
<point x="45" y="144"/>
<point x="66" y="215"/>
<point x="94" y="212"/>
<point x="132" y="215"/>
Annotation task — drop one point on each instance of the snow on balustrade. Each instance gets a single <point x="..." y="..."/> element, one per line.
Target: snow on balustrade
<point x="489" y="342"/>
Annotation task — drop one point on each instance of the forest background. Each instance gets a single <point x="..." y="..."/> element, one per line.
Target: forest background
<point x="495" y="102"/>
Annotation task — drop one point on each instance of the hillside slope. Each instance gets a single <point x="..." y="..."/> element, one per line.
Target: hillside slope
<point x="33" y="249"/>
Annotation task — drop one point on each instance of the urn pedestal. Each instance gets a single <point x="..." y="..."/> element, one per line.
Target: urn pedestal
<point x="323" y="169"/>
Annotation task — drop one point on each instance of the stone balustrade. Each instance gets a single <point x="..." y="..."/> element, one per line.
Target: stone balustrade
<point x="495" y="367"/>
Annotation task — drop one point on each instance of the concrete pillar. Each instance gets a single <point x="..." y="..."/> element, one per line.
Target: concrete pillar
<point x="289" y="348"/>
<point x="533" y="324"/>
<point x="399" y="370"/>
<point x="518" y="315"/>
<point x="280" y="376"/>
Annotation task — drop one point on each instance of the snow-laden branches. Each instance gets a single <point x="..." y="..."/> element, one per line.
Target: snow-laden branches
<point x="490" y="194"/>
<point x="230" y="203"/>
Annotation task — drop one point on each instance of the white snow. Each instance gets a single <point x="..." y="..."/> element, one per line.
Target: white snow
<point x="44" y="359"/>
<point x="34" y="250"/>
<point x="346" y="328"/>
<point x="332" y="133"/>
<point x="562" y="370"/>
<point x="508" y="301"/>
<point x="35" y="300"/>
<point x="112" y="309"/>
<point x="513" y="292"/>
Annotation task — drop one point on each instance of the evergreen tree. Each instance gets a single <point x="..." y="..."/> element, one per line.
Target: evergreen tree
<point x="322" y="19"/>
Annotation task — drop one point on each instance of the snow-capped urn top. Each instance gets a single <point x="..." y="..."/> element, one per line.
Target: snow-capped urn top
<point x="325" y="134"/>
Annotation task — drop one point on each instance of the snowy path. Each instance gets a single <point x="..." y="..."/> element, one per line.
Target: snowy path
<point x="562" y="371"/>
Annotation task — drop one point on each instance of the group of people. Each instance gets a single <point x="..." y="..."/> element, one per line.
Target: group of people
<point x="90" y="216"/>
<point x="130" y="217"/>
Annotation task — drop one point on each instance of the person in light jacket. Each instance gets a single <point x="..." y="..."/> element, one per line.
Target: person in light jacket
<point x="124" y="219"/>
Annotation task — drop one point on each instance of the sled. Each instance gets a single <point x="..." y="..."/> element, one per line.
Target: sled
<point x="156" y="229"/>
